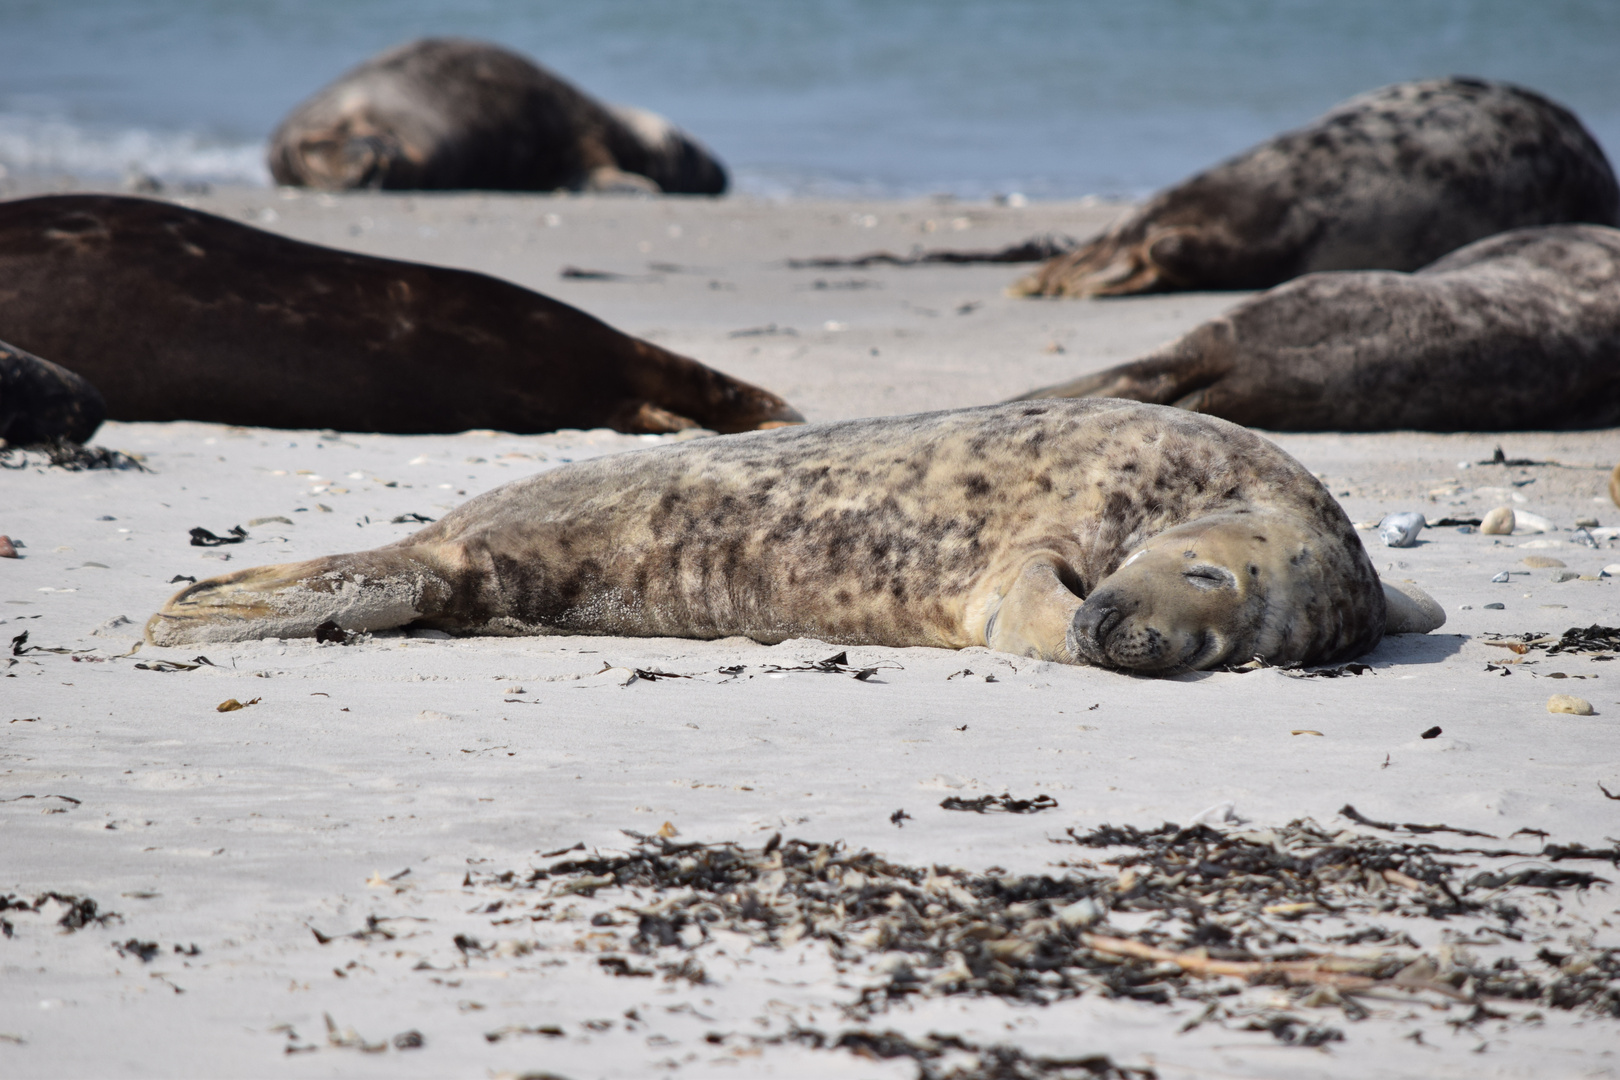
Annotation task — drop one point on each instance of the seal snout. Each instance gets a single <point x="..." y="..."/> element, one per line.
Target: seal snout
<point x="1093" y="623"/>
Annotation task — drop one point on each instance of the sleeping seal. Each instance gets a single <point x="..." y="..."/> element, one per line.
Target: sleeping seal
<point x="42" y="402"/>
<point x="1389" y="180"/>
<point x="179" y="315"/>
<point x="442" y="113"/>
<point x="1099" y="532"/>
<point x="1515" y="332"/>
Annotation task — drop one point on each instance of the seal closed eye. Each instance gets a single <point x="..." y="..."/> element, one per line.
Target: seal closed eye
<point x="861" y="532"/>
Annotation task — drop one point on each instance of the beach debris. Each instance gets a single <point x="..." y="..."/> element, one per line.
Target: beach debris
<point x="1604" y="641"/>
<point x="411" y="519"/>
<point x="1431" y="733"/>
<point x="577" y="273"/>
<point x="1502" y="577"/>
<point x="1543" y="562"/>
<point x="950" y="1057"/>
<point x="144" y="950"/>
<point x="1401" y="530"/>
<point x="1255" y="924"/>
<point x="1035" y="249"/>
<point x="273" y="519"/>
<point x="1570" y="704"/>
<point x="79" y="911"/>
<point x="899" y="818"/>
<point x="1607" y="794"/>
<point x="1526" y="522"/>
<point x="1002" y="804"/>
<point x="1583" y="536"/>
<point x="1495" y="607"/>
<point x="63" y="454"/>
<point x="1561" y="576"/>
<point x="330" y="632"/>
<point x="8" y="550"/>
<point x="113" y="627"/>
<point x="232" y="705"/>
<point x="1611" y="570"/>
<point x="768" y="330"/>
<point x="1500" y="458"/>
<point x="1306" y="731"/>
<point x="201" y="537"/>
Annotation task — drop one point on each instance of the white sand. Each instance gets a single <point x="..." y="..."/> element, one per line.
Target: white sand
<point x="239" y="832"/>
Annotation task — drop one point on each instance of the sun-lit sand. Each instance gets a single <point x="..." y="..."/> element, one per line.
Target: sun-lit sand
<point x="262" y="835"/>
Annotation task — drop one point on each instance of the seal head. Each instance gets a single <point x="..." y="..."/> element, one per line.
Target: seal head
<point x="1227" y="589"/>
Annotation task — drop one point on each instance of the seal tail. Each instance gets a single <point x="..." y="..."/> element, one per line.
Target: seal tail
<point x="1180" y="375"/>
<point x="370" y="590"/>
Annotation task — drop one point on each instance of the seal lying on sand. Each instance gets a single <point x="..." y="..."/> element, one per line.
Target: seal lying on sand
<point x="1390" y="180"/>
<point x="1516" y="332"/>
<point x="180" y="315"/>
<point x="445" y="113"/>
<point x="41" y="402"/>
<point x="1108" y="533"/>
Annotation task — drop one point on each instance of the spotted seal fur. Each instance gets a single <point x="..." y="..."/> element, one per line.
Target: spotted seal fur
<point x="1516" y="332"/>
<point x="175" y="314"/>
<point x="444" y="113"/>
<point x="1100" y="532"/>
<point x="1389" y="180"/>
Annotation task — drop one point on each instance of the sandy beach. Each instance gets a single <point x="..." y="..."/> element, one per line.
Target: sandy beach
<point x="319" y="874"/>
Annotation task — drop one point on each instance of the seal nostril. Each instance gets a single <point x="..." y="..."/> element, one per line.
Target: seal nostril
<point x="1097" y="622"/>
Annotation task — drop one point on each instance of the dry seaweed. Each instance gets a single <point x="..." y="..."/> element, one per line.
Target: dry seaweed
<point x="941" y="1057"/>
<point x="68" y="455"/>
<point x="1281" y="908"/>
<point x="1002" y="803"/>
<point x="1035" y="249"/>
<point x="201" y="537"/>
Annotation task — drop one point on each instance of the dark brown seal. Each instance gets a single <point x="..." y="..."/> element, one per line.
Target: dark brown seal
<point x="179" y="315"/>
<point x="444" y="113"/>
<point x="42" y="402"/>
<point x="1389" y="180"/>
<point x="1516" y="332"/>
<point x="1099" y="532"/>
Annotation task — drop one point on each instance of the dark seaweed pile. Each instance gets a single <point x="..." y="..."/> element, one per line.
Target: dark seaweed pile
<point x="1575" y="640"/>
<point x="1286" y="907"/>
<point x="64" y="454"/>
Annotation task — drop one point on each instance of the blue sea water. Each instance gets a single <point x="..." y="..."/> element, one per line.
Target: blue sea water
<point x="1052" y="98"/>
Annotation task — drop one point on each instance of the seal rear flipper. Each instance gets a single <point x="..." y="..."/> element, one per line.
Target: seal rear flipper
<point x="1037" y="613"/>
<point x="370" y="590"/>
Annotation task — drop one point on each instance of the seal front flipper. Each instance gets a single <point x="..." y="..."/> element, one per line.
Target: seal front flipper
<point x="369" y="590"/>
<point x="1035" y="616"/>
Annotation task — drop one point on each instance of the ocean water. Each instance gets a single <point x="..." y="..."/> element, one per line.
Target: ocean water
<point x="800" y="97"/>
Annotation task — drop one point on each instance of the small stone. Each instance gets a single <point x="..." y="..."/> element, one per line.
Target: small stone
<point x="1570" y="704"/>
<point x="1495" y="607"/>
<point x="1501" y="578"/>
<point x="1612" y="570"/>
<point x="8" y="550"/>
<point x="1498" y="522"/>
<point x="1560" y="576"/>
<point x="1586" y="523"/>
<point x="1544" y="562"/>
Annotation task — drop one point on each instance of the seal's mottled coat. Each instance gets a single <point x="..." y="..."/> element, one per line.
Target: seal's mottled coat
<point x="1389" y="180"/>
<point x="973" y="527"/>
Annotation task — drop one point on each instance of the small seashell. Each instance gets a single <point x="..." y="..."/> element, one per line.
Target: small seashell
<point x="1401" y="530"/>
<point x="1498" y="522"/>
<point x="1543" y="562"/>
<point x="1501" y="578"/>
<point x="1568" y="703"/>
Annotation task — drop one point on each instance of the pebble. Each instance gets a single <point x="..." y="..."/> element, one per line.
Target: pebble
<point x="1612" y="570"/>
<point x="1501" y="578"/>
<point x="1495" y="607"/>
<point x="1586" y="523"/>
<point x="1564" y="575"/>
<point x="1401" y="530"/>
<point x="1543" y="562"/>
<point x="1498" y="522"/>
<point x="8" y="550"/>
<point x="1569" y="703"/>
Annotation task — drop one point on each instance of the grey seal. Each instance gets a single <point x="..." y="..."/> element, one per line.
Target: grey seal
<point x="42" y="402"/>
<point x="1098" y="532"/>
<point x="1389" y="180"/>
<point x="444" y="113"/>
<point x="175" y="314"/>
<point x="1516" y="332"/>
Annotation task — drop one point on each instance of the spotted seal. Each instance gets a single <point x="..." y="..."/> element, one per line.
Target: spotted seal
<point x="1389" y="180"/>
<point x="175" y="314"/>
<point x="1101" y="532"/>
<point x="42" y="402"/>
<point x="1516" y="332"/>
<point x="444" y="113"/>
